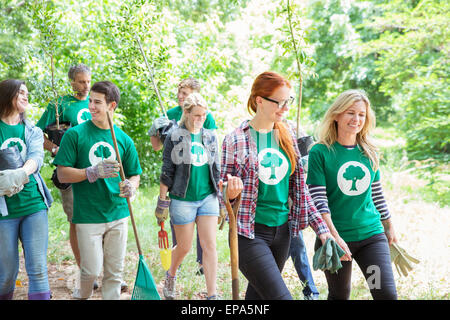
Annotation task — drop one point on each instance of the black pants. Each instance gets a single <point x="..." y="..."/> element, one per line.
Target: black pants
<point x="261" y="261"/>
<point x="373" y="258"/>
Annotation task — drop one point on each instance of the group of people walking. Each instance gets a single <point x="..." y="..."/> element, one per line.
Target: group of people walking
<point x="340" y="196"/>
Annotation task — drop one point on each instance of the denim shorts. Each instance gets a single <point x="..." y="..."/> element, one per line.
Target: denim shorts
<point x="184" y="212"/>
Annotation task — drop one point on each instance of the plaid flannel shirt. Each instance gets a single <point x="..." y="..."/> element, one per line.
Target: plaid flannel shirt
<point x="240" y="158"/>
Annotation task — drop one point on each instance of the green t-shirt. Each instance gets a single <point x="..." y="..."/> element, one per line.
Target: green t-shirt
<point x="177" y="112"/>
<point x="29" y="200"/>
<point x="85" y="145"/>
<point x="70" y="110"/>
<point x="347" y="176"/>
<point x="200" y="185"/>
<point x="272" y="208"/>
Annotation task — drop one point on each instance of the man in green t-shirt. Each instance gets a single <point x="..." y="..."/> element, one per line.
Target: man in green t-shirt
<point x="185" y="88"/>
<point x="87" y="160"/>
<point x="72" y="109"/>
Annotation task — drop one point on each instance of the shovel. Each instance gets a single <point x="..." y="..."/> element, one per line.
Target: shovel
<point x="233" y="241"/>
<point x="144" y="286"/>
<point x="165" y="252"/>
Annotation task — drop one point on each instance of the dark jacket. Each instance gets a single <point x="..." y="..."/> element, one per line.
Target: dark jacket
<point x="176" y="167"/>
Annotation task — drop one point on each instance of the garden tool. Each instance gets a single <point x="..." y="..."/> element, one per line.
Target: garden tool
<point x="233" y="240"/>
<point x="144" y="285"/>
<point x="150" y="71"/>
<point x="327" y="257"/>
<point x="165" y="252"/>
<point x="400" y="259"/>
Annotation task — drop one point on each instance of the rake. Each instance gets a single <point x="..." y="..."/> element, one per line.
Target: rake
<point x="165" y="252"/>
<point x="144" y="285"/>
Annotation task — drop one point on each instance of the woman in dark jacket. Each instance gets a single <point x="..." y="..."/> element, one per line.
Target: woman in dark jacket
<point x="190" y="174"/>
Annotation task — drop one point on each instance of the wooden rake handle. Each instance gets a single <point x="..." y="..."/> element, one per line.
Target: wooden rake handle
<point x="122" y="177"/>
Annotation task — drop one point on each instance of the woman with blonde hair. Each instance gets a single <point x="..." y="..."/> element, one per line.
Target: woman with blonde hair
<point x="344" y="181"/>
<point x="263" y="153"/>
<point x="190" y="174"/>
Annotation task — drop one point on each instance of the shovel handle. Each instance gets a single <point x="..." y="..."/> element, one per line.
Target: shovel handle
<point x="152" y="78"/>
<point x="122" y="177"/>
<point x="233" y="243"/>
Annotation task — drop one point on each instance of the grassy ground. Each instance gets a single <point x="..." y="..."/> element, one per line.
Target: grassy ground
<point x="421" y="219"/>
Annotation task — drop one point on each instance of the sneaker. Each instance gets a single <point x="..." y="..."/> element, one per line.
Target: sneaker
<point x="200" y="271"/>
<point x="123" y="287"/>
<point x="169" y="287"/>
<point x="76" y="294"/>
<point x="312" y="297"/>
<point x="214" y="297"/>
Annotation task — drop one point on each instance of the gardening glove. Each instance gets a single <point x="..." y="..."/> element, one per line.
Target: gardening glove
<point x="162" y="209"/>
<point x="12" y="181"/>
<point x="104" y="169"/>
<point x="327" y="257"/>
<point x="400" y="259"/>
<point x="127" y="189"/>
<point x="158" y="124"/>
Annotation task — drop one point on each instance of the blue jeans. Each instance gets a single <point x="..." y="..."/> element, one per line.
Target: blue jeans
<point x="32" y="230"/>
<point x="185" y="212"/>
<point x="300" y="259"/>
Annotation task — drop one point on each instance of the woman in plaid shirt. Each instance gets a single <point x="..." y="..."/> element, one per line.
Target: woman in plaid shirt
<point x="264" y="154"/>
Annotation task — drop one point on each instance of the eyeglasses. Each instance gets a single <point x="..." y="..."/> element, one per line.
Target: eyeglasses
<point x="281" y="104"/>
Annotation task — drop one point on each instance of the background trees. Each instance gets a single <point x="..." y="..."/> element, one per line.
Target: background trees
<point x="396" y="51"/>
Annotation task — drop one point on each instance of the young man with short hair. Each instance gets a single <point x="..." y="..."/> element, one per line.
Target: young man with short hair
<point x="185" y="88"/>
<point x="87" y="159"/>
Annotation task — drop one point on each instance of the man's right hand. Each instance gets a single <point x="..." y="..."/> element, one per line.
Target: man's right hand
<point x="105" y="169"/>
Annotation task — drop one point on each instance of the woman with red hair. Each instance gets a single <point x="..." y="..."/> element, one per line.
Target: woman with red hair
<point x="263" y="153"/>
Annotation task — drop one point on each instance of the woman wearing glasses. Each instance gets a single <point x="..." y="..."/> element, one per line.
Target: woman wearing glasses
<point x="263" y="153"/>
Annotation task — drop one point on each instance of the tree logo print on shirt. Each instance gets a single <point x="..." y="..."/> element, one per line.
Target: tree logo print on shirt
<point x="11" y="142"/>
<point x="273" y="166"/>
<point x="198" y="154"/>
<point x="353" y="178"/>
<point x="101" y="151"/>
<point x="83" y="115"/>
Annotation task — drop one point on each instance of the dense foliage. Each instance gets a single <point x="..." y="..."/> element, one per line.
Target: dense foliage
<point x="397" y="51"/>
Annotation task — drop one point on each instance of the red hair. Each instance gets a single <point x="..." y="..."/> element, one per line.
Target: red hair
<point x="264" y="85"/>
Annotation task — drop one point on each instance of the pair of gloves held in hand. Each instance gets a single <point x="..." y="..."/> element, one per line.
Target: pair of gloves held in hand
<point x="327" y="257"/>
